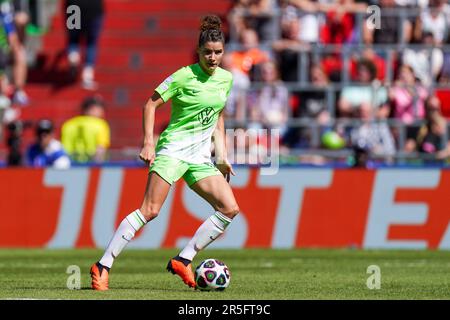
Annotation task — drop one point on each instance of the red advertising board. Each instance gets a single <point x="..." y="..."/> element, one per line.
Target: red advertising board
<point x="296" y="207"/>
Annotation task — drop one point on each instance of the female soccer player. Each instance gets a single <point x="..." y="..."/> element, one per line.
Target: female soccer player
<point x="198" y="94"/>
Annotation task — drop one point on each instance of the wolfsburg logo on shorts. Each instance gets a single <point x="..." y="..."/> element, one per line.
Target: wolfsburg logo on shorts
<point x="206" y="116"/>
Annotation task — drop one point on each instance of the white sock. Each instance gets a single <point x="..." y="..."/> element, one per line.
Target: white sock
<point x="209" y="231"/>
<point x="124" y="233"/>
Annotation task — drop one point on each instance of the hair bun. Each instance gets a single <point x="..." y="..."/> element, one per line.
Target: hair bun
<point x="211" y="22"/>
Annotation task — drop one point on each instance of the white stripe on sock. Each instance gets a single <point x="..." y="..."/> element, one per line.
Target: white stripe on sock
<point x="136" y="219"/>
<point x="220" y="220"/>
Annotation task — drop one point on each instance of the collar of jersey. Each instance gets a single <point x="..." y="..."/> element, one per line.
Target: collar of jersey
<point x="203" y="73"/>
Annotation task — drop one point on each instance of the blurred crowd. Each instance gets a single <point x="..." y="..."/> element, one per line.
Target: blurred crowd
<point x="84" y="138"/>
<point x="333" y="75"/>
<point x="347" y="80"/>
<point x="14" y="16"/>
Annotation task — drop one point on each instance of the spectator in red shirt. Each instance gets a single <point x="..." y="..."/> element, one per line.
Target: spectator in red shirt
<point x="371" y="55"/>
<point x="338" y="27"/>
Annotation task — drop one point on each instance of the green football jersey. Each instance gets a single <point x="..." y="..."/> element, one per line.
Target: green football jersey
<point x="197" y="100"/>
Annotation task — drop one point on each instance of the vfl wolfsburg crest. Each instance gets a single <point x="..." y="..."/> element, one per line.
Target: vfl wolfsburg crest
<point x="206" y="116"/>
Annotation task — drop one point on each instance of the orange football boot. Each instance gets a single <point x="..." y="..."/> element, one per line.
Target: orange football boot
<point x="99" y="279"/>
<point x="185" y="272"/>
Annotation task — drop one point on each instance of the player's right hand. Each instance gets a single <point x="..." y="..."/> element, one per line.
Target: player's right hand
<point x="147" y="154"/>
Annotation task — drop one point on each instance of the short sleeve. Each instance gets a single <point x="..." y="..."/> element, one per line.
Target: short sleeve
<point x="170" y="86"/>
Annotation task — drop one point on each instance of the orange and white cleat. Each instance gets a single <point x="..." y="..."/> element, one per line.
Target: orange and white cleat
<point x="99" y="276"/>
<point x="183" y="271"/>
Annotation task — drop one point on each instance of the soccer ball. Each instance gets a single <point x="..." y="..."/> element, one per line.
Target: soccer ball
<point x="212" y="274"/>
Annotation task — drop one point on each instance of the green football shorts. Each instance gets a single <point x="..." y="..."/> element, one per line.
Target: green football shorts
<point x="172" y="169"/>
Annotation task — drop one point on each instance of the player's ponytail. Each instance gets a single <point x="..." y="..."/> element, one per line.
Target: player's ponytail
<point x="210" y="30"/>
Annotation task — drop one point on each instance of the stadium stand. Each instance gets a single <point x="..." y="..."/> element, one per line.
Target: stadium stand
<point x="336" y="36"/>
<point x="142" y="42"/>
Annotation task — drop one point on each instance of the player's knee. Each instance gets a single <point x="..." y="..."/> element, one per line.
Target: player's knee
<point x="230" y="211"/>
<point x="150" y="212"/>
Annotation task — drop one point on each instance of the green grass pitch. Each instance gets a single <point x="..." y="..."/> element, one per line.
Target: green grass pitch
<point x="256" y="274"/>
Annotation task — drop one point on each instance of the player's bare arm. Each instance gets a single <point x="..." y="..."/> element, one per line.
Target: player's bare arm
<point x="147" y="153"/>
<point x="220" y="148"/>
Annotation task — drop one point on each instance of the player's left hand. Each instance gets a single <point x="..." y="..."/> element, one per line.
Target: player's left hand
<point x="226" y="169"/>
